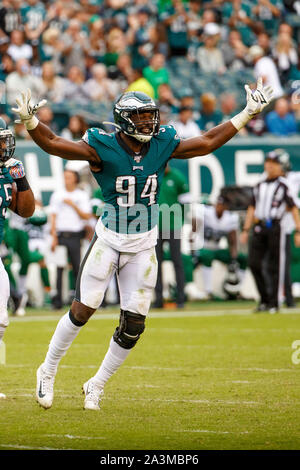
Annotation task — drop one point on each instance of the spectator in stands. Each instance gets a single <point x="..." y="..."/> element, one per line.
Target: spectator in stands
<point x="74" y="87"/>
<point x="264" y="41"/>
<point x="18" y="48"/>
<point x="33" y="17"/>
<point x="209" y="56"/>
<point x="53" y="84"/>
<point x="210" y="116"/>
<point x="51" y="48"/>
<point x="138" y="37"/>
<point x="116" y="45"/>
<point x="238" y="15"/>
<point x="124" y="70"/>
<point x="76" y="45"/>
<point x="158" y="39"/>
<point x="97" y="37"/>
<point x="76" y="128"/>
<point x="10" y="18"/>
<point x="114" y="13"/>
<point x="100" y="87"/>
<point x="281" y="121"/>
<point x="265" y="67"/>
<point x="187" y="99"/>
<point x="175" y="18"/>
<point x="228" y="105"/>
<point x="6" y="67"/>
<point x="22" y="79"/>
<point x="268" y="12"/>
<point x="185" y="126"/>
<point x="140" y="83"/>
<point x="285" y="56"/>
<point x="194" y="17"/>
<point x="167" y="98"/>
<point x="156" y="73"/>
<point x="234" y="51"/>
<point x="46" y="116"/>
<point x="285" y="28"/>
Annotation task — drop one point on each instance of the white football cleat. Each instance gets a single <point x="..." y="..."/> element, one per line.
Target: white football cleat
<point x="93" y="394"/>
<point x="2" y="396"/>
<point x="44" y="388"/>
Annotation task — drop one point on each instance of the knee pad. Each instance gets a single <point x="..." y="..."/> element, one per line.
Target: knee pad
<point x="130" y="328"/>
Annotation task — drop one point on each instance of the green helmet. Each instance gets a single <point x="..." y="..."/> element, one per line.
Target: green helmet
<point x="7" y="142"/>
<point x="134" y="103"/>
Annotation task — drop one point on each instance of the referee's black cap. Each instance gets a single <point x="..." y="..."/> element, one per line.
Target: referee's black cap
<point x="280" y="156"/>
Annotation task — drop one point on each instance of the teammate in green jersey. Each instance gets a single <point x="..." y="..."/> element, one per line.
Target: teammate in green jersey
<point x="16" y="195"/>
<point x="129" y="166"/>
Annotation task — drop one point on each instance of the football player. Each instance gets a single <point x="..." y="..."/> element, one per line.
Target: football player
<point x="218" y="223"/>
<point x="15" y="194"/>
<point x="129" y="166"/>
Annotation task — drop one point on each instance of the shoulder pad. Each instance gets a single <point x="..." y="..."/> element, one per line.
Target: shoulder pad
<point x="95" y="134"/>
<point x="168" y="132"/>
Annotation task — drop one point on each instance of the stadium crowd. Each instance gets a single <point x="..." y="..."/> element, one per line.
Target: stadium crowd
<point x="80" y="55"/>
<point x="193" y="57"/>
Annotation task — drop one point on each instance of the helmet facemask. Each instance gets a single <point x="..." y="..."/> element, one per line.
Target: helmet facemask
<point x="7" y="145"/>
<point x="144" y="128"/>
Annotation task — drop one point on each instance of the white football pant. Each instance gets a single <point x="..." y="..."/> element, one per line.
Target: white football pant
<point x="136" y="274"/>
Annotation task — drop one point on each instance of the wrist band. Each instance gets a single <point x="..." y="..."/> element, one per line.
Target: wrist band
<point x="22" y="184"/>
<point x="241" y="119"/>
<point x="31" y="123"/>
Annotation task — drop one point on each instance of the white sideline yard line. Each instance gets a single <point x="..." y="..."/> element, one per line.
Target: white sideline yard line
<point x="170" y="369"/>
<point x="17" y="446"/>
<point x="160" y="400"/>
<point x="213" y="432"/>
<point x="69" y="436"/>
<point x="169" y="314"/>
<point x="203" y="401"/>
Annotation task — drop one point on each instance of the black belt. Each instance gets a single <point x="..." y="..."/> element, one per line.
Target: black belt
<point x="268" y="223"/>
<point x="70" y="234"/>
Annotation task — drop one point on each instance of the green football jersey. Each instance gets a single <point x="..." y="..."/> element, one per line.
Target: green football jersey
<point x="5" y="196"/>
<point x="130" y="182"/>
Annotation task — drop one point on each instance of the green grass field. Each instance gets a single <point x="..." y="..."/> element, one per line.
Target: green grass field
<point x="213" y="376"/>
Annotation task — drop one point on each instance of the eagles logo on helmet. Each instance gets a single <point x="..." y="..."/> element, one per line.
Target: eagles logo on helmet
<point x="7" y="143"/>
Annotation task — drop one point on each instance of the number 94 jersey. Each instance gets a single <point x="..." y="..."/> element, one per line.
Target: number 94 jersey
<point x="5" y="196"/>
<point x="130" y="181"/>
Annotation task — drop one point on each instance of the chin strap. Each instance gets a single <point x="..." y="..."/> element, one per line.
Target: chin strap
<point x="112" y="124"/>
<point x="140" y="137"/>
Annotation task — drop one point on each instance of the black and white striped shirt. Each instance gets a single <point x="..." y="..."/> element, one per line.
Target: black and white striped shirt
<point x="271" y="198"/>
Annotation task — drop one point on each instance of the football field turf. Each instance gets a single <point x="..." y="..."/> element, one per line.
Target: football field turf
<point x="211" y="376"/>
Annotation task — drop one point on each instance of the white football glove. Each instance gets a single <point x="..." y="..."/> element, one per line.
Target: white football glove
<point x="16" y="168"/>
<point x="257" y="100"/>
<point x="26" y="111"/>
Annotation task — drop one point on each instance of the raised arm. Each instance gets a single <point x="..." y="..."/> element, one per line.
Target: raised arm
<point x="46" y="139"/>
<point x="218" y="136"/>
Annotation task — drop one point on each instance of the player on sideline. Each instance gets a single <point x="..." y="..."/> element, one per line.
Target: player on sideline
<point x="15" y="194"/>
<point x="129" y="166"/>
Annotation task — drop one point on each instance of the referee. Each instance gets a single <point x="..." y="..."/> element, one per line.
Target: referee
<point x="272" y="198"/>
